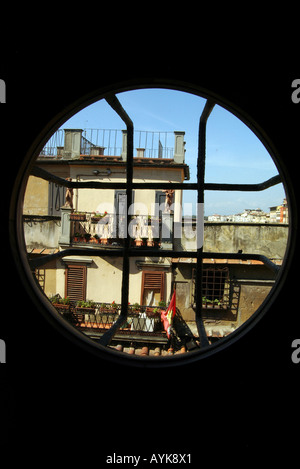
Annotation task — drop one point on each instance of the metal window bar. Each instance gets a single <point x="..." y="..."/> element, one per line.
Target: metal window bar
<point x="116" y="106"/>
<point x="216" y="287"/>
<point x="200" y="189"/>
<point x="128" y="252"/>
<point x="43" y="174"/>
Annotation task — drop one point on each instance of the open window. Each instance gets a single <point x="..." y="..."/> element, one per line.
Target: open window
<point x="153" y="286"/>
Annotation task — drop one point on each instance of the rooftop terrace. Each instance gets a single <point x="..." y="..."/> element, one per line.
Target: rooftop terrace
<point x="76" y="143"/>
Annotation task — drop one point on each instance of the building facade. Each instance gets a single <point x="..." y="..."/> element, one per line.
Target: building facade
<point x="57" y="218"/>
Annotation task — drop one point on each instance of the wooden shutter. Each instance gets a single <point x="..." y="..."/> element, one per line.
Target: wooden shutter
<point x="75" y="286"/>
<point x="153" y="281"/>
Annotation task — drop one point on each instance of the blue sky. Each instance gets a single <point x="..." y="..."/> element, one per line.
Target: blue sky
<point x="233" y="153"/>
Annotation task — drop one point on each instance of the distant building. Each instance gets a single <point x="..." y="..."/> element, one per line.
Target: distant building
<point x="277" y="214"/>
<point x="280" y="213"/>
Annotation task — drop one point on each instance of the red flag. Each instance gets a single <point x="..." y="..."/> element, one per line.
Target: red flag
<point x="168" y="315"/>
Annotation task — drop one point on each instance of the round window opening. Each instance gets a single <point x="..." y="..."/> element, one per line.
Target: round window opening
<point x="154" y="226"/>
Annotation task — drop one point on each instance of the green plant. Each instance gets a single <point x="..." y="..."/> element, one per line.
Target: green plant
<point x="155" y="313"/>
<point x="65" y="301"/>
<point x="162" y="304"/>
<point x="206" y="301"/>
<point x="54" y="298"/>
<point x="85" y="304"/>
<point x="98" y="216"/>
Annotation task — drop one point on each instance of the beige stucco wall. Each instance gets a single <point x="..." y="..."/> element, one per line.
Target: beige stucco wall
<point x="36" y="197"/>
<point x="90" y="200"/>
<point x="37" y="191"/>
<point x="104" y="279"/>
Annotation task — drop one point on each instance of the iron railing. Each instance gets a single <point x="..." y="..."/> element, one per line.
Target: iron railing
<point x="153" y="143"/>
<point x="100" y="317"/>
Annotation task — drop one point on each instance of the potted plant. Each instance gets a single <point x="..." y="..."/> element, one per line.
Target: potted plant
<point x="211" y="303"/>
<point x="87" y="237"/>
<point x="138" y="241"/>
<point x="76" y="237"/>
<point x="103" y="308"/>
<point x="61" y="304"/>
<point x="87" y="306"/>
<point x="78" y="216"/>
<point x="96" y="238"/>
<point x="135" y="308"/>
<point x="153" y="313"/>
<point x="97" y="216"/>
<point x="107" y="314"/>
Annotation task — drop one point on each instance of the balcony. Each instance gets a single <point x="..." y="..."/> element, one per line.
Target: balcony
<point x="143" y="323"/>
<point x="110" y="229"/>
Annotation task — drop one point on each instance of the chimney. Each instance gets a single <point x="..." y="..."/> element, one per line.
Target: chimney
<point x="124" y="145"/>
<point x="179" y="150"/>
<point x="140" y="152"/>
<point x="72" y="144"/>
<point x="97" y="151"/>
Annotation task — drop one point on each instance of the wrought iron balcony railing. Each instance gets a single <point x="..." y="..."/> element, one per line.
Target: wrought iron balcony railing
<point x="141" y="320"/>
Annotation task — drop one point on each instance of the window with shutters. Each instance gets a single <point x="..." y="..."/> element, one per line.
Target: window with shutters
<point x="153" y="285"/>
<point x="75" y="282"/>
